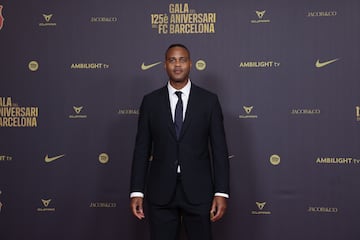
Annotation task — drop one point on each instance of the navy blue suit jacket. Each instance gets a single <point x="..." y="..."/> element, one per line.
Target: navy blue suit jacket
<point x="201" y="149"/>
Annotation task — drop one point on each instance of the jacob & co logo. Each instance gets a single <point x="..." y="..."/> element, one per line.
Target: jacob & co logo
<point x="305" y="111"/>
<point x="128" y="111"/>
<point x="102" y="205"/>
<point x="312" y="209"/>
<point x="1" y="17"/>
<point x="322" y="14"/>
<point x="103" y="19"/>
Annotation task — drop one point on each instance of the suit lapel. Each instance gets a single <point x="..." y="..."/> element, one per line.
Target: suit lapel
<point x="167" y="110"/>
<point x="189" y="110"/>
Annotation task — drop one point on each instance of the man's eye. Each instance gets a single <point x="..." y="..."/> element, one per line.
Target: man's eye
<point x="174" y="60"/>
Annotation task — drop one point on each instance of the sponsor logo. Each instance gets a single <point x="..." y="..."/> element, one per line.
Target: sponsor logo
<point x="4" y="158"/>
<point x="102" y="205"/>
<point x="260" y="205"/>
<point x="323" y="209"/>
<point x="47" y="17"/>
<point x="357" y="109"/>
<point x="13" y="115"/>
<point x="248" y="111"/>
<point x="145" y="67"/>
<point x="48" y="22"/>
<point x="1" y="17"/>
<point x="259" y="64"/>
<point x="260" y="209"/>
<point x="103" y="19"/>
<point x="78" y="109"/>
<point x="200" y="65"/>
<point x="33" y="66"/>
<point x="319" y="64"/>
<point x="89" y="66"/>
<point x="305" y="111"/>
<point x="337" y="160"/>
<point x="51" y="159"/>
<point x="322" y="14"/>
<point x="78" y="114"/>
<point x="260" y="15"/>
<point x="128" y="111"/>
<point x="180" y="19"/>
<point x="103" y="158"/>
<point x="275" y="159"/>
<point x="45" y="206"/>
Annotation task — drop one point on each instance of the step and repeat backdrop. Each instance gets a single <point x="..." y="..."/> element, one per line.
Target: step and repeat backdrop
<point x="73" y="75"/>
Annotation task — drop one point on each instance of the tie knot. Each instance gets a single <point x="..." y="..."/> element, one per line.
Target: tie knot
<point x="178" y="94"/>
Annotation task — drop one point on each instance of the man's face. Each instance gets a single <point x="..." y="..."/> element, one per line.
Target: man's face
<point x="178" y="64"/>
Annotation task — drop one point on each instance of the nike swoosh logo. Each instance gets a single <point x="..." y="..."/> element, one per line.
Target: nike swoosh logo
<point x="146" y="67"/>
<point x="319" y="64"/>
<point x="50" y="159"/>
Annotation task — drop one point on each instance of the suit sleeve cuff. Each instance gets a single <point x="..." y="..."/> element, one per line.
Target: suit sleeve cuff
<point x="136" y="194"/>
<point x="225" y="195"/>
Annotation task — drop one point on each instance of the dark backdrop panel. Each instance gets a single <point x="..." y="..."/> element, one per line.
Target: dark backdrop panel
<point x="286" y="74"/>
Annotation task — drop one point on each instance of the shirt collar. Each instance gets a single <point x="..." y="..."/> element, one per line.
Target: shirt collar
<point x="185" y="90"/>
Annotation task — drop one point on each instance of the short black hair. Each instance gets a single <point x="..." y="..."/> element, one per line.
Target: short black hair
<point x="177" y="45"/>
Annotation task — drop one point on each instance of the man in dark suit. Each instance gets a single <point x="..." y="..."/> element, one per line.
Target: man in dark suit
<point x="180" y="163"/>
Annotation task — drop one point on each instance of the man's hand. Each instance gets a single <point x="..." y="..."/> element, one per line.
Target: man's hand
<point x="136" y="205"/>
<point x="218" y="208"/>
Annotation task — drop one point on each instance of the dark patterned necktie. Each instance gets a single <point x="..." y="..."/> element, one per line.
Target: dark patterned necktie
<point x="178" y="114"/>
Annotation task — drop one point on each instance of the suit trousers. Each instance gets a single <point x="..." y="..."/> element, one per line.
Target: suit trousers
<point x="166" y="220"/>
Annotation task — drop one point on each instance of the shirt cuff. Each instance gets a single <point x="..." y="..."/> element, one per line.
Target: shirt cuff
<point x="225" y="195"/>
<point x="136" y="194"/>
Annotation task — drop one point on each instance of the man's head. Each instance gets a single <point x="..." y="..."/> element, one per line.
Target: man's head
<point x="178" y="64"/>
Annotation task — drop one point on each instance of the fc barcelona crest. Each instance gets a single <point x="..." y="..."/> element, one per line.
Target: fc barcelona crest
<point x="1" y="17"/>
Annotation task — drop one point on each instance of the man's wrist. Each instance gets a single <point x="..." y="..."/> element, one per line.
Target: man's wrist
<point x="136" y="194"/>
<point x="218" y="194"/>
